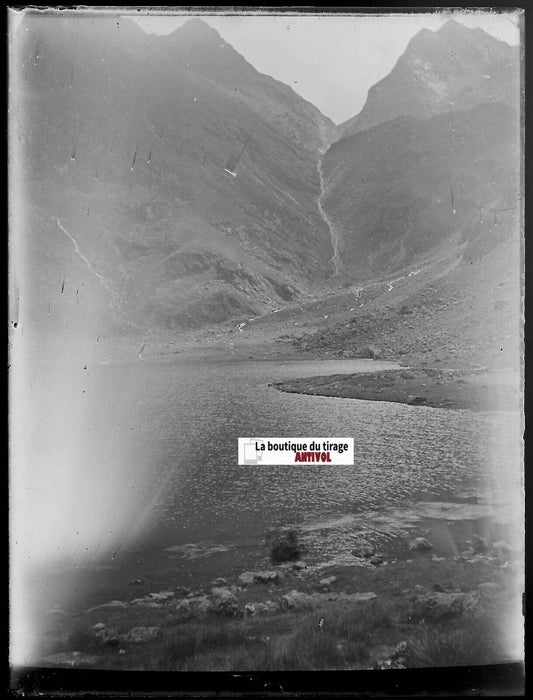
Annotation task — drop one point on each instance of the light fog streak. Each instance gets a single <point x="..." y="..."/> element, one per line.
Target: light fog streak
<point x="77" y="487"/>
<point x="76" y="455"/>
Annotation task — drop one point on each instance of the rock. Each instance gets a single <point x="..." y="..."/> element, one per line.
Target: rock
<point x="154" y="600"/>
<point x="224" y="602"/>
<point x="199" y="603"/>
<point x="479" y="545"/>
<point x="326" y="582"/>
<point x="260" y="607"/>
<point x="138" y="635"/>
<point x="296" y="600"/>
<point x="249" y="577"/>
<point x="376" y="560"/>
<point x="98" y="626"/>
<point x="369" y="352"/>
<point x="219" y="581"/>
<point x="420" y="544"/>
<point x="439" y="605"/>
<point x="267" y="576"/>
<point x="136" y="582"/>
<point x="106" y="636"/>
<point x="74" y="659"/>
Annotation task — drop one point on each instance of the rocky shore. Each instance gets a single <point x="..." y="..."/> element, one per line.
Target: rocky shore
<point x="365" y="614"/>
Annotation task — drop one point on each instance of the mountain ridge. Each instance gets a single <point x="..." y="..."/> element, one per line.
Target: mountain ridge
<point x="132" y="145"/>
<point x="438" y="71"/>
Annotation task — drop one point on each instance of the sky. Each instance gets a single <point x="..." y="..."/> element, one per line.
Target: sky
<point x="331" y="61"/>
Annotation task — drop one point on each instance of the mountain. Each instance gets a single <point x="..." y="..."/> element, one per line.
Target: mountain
<point x="454" y="68"/>
<point x="129" y="216"/>
<point x="429" y="167"/>
<point x="410" y="190"/>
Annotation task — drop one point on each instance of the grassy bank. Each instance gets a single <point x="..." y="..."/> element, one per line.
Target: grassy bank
<point x="425" y="611"/>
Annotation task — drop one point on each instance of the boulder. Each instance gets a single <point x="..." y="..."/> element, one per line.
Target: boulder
<point x="224" y="602"/>
<point x="105" y="636"/>
<point x="154" y="600"/>
<point x="200" y="603"/>
<point x="249" y="577"/>
<point x="138" y="635"/>
<point x="296" y="600"/>
<point x="259" y="608"/>
<point x="219" y="581"/>
<point x="369" y="352"/>
<point x="419" y="544"/>
<point x="267" y="576"/>
<point x="327" y="582"/>
<point x="435" y="606"/>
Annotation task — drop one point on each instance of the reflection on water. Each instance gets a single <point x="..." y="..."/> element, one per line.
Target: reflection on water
<point x="118" y="463"/>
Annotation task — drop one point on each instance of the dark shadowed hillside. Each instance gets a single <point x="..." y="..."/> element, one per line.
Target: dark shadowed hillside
<point x="123" y="141"/>
<point x="410" y="189"/>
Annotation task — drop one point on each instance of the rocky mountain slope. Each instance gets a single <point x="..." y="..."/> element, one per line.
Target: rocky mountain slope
<point x="454" y="68"/>
<point x="128" y="215"/>
<point x="411" y="189"/>
<point x="424" y="193"/>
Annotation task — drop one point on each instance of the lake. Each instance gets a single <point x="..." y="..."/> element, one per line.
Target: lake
<point x="129" y="470"/>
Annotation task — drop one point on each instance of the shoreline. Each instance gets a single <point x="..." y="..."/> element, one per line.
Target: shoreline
<point x="481" y="390"/>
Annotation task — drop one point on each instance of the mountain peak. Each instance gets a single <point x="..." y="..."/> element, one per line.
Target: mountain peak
<point x="440" y="71"/>
<point x="453" y="25"/>
<point x="198" y="27"/>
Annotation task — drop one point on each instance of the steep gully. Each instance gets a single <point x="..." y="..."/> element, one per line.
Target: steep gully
<point x="335" y="237"/>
